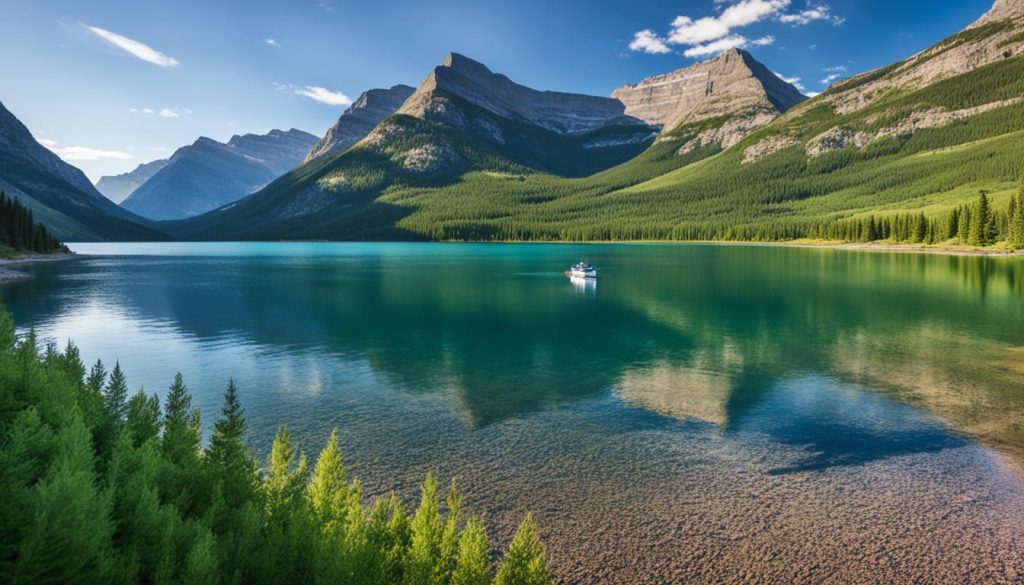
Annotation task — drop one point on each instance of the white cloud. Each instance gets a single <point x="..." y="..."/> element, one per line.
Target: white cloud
<point x="80" y="153"/>
<point x="730" y="42"/>
<point x="716" y="47"/>
<point x="830" y="78"/>
<point x="688" y="31"/>
<point x="316" y="93"/>
<point x="271" y="42"/>
<point x="836" y="69"/>
<point x="794" y="81"/>
<point x="812" y="94"/>
<point x="140" y="50"/>
<point x="713" y="34"/>
<point x="169" y="113"/>
<point x="647" y="41"/>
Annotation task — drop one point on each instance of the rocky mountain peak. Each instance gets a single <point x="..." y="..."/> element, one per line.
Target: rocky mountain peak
<point x="360" y="118"/>
<point x="460" y="77"/>
<point x="731" y="83"/>
<point x="1001" y="10"/>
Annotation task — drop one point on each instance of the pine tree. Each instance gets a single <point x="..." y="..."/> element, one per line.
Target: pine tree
<point x="473" y="565"/>
<point x="524" y="562"/>
<point x="143" y="421"/>
<point x="69" y="540"/>
<point x="115" y="399"/>
<point x="233" y="466"/>
<point x="1016" y="220"/>
<point x="180" y="444"/>
<point x="424" y="557"/>
<point x="982" y="225"/>
<point x="287" y="530"/>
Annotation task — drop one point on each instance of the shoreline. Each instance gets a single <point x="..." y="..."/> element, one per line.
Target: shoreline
<point x="809" y="244"/>
<point x="7" y="274"/>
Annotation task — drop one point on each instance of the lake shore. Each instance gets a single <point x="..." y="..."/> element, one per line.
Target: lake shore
<point x="9" y="273"/>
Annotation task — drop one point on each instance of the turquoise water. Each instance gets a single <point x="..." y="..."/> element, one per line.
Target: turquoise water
<point x="700" y="412"/>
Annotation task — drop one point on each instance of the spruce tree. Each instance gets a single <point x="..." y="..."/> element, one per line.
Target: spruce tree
<point x="524" y="562"/>
<point x="473" y="564"/>
<point x="982" y="225"/>
<point x="115" y="399"/>
<point x="424" y="559"/>
<point x="143" y="421"/>
<point x="233" y="466"/>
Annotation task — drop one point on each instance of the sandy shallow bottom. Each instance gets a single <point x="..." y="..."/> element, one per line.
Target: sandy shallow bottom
<point x="625" y="497"/>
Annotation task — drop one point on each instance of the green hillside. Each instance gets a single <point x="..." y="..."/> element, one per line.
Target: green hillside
<point x="909" y="147"/>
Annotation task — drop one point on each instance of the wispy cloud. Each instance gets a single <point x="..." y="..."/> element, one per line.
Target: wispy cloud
<point x="316" y="93"/>
<point x="162" y="112"/>
<point x="135" y="48"/>
<point x="809" y="15"/>
<point x="794" y="81"/>
<point x="271" y="42"/>
<point x="83" y="153"/>
<point x="713" y="34"/>
<point x="830" y="78"/>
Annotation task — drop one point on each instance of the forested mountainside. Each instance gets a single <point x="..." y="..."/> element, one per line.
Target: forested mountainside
<point x="922" y="136"/>
<point x="466" y="123"/>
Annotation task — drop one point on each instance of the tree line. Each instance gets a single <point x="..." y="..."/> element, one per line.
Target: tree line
<point x="97" y="486"/>
<point x="976" y="224"/>
<point x="19" y="230"/>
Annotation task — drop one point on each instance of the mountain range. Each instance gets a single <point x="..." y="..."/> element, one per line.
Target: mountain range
<point x="723" y="149"/>
<point x="208" y="174"/>
<point x="58" y="194"/>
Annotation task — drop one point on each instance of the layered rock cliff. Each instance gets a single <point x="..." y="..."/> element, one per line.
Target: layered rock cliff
<point x="734" y="89"/>
<point x="360" y="118"/>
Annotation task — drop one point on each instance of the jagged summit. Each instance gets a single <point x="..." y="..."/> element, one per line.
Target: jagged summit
<point x="730" y="83"/>
<point x="360" y="118"/>
<point x="461" y="77"/>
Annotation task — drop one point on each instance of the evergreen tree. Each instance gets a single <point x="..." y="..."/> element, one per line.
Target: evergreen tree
<point x="70" y="535"/>
<point x="233" y="466"/>
<point x="180" y="445"/>
<point x="143" y="419"/>
<point x="1016" y="220"/>
<point x="115" y="399"/>
<point x="982" y="226"/>
<point x="524" y="563"/>
<point x="473" y="565"/>
<point x="425" y="554"/>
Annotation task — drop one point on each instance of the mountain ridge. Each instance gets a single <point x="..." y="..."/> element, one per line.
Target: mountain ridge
<point x="360" y="118"/>
<point x="59" y="194"/>
<point x="208" y="174"/>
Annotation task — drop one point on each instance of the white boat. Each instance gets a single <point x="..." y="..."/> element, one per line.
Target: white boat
<point x="582" y="270"/>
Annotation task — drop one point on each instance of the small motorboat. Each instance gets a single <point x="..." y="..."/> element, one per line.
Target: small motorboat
<point x="582" y="270"/>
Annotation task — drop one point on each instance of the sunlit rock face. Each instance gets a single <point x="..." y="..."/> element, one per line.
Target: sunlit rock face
<point x="468" y="80"/>
<point x="360" y="118"/>
<point x="730" y="84"/>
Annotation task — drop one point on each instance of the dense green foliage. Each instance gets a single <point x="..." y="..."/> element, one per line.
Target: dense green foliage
<point x="96" y="487"/>
<point x="20" y="231"/>
<point x="673" y="191"/>
<point x="975" y="225"/>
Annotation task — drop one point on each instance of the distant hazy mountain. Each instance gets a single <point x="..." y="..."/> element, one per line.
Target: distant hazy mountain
<point x="208" y="174"/>
<point x="357" y="121"/>
<point x="60" y="195"/>
<point x="117" y="188"/>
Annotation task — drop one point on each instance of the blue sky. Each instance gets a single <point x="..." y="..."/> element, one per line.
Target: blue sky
<point x="112" y="84"/>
